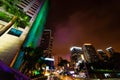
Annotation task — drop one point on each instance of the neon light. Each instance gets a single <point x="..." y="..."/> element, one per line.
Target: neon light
<point x="36" y="72"/>
<point x="37" y="27"/>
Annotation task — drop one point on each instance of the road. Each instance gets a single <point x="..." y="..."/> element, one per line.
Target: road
<point x="69" y="78"/>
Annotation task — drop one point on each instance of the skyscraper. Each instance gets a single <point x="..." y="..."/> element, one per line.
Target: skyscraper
<point x="90" y="53"/>
<point x="102" y="54"/>
<point x="110" y="51"/>
<point x="22" y="24"/>
<point x="76" y="53"/>
<point x="46" y="42"/>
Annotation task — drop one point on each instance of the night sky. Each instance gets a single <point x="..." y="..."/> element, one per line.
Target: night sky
<point x="75" y="22"/>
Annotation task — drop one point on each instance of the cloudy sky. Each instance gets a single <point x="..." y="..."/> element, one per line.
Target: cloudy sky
<point x="75" y="22"/>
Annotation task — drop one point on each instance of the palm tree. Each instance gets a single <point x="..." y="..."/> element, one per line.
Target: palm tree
<point x="9" y="25"/>
<point x="10" y="6"/>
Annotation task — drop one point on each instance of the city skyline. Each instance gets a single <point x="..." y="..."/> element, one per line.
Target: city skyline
<point x="76" y="40"/>
<point x="77" y="22"/>
<point x="105" y="50"/>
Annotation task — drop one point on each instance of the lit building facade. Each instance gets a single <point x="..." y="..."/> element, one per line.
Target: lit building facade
<point x="103" y="55"/>
<point x="96" y="63"/>
<point x="90" y="53"/>
<point x="46" y="42"/>
<point x="46" y="45"/>
<point x="76" y="54"/>
<point x="110" y="51"/>
<point x="14" y="36"/>
<point x="99" y="65"/>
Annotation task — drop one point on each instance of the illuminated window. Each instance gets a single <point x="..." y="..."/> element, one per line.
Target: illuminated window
<point x="15" y="32"/>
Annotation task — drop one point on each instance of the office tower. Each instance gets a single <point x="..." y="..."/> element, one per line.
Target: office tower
<point x="90" y="53"/>
<point x="46" y="42"/>
<point x="76" y="53"/>
<point x="110" y="51"/>
<point x="22" y="24"/>
<point x="103" y="55"/>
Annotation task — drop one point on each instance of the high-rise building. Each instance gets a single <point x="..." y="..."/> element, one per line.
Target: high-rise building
<point x="46" y="42"/>
<point x="110" y="51"/>
<point x="90" y="53"/>
<point x="100" y="66"/>
<point x="76" y="53"/>
<point x="21" y="25"/>
<point x="103" y="55"/>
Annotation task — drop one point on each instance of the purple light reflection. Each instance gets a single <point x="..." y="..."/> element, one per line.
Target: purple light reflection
<point x="7" y="73"/>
